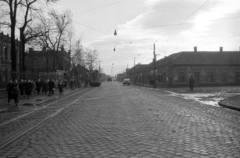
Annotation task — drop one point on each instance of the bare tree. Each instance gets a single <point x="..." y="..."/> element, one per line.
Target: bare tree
<point x="13" y="6"/>
<point x="55" y="29"/>
<point x="30" y="33"/>
<point x="12" y="10"/>
<point x="77" y="58"/>
<point x="91" y="57"/>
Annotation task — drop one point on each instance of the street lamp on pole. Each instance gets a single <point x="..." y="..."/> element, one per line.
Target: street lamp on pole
<point x="134" y="71"/>
<point x="154" y="67"/>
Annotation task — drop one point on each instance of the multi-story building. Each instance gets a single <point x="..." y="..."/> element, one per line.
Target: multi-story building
<point x="48" y="63"/>
<point x="207" y="68"/>
<point x="6" y="58"/>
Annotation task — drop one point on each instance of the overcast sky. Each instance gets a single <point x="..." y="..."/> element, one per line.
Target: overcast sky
<point x="173" y="25"/>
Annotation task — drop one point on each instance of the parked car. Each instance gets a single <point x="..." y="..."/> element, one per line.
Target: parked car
<point x="109" y="79"/>
<point x="126" y="81"/>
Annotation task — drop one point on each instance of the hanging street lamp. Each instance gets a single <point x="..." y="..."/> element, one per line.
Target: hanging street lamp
<point x="115" y="32"/>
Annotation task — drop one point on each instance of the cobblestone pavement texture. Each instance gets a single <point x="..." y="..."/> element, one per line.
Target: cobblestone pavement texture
<point x="118" y="121"/>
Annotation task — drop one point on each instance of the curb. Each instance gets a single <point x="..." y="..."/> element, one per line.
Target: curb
<point x="228" y="106"/>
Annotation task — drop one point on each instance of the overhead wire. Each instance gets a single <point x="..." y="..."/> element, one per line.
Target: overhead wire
<point x="100" y="7"/>
<point x="187" y="17"/>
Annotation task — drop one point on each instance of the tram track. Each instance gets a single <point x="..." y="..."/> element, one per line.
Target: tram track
<point x="49" y="113"/>
<point x="43" y="107"/>
<point x="36" y="118"/>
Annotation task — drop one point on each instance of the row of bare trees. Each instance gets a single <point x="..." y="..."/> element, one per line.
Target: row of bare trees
<point x="40" y="28"/>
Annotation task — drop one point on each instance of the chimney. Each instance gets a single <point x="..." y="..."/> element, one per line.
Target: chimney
<point x="62" y="48"/>
<point x="44" y="49"/>
<point x="221" y="49"/>
<point x="30" y="50"/>
<point x="195" y="49"/>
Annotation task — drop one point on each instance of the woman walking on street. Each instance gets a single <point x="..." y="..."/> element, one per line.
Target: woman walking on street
<point x="16" y="93"/>
<point x="60" y="87"/>
<point x="10" y="87"/>
<point x="28" y="88"/>
<point x="22" y="88"/>
<point x="38" y="86"/>
<point x="51" y="86"/>
<point x="33" y="87"/>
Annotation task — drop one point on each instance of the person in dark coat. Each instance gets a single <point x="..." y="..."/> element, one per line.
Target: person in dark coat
<point x="16" y="93"/>
<point x="38" y="86"/>
<point x="28" y="87"/>
<point x="33" y="87"/>
<point x="51" y="86"/>
<point x="9" y="89"/>
<point x="60" y="87"/>
<point x="65" y="83"/>
<point x="191" y="83"/>
<point x="22" y="88"/>
<point x="71" y="84"/>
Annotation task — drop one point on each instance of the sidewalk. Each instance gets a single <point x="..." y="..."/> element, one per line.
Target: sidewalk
<point x="231" y="102"/>
<point x="26" y="104"/>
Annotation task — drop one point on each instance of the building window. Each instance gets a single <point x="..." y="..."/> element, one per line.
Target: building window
<point x="210" y="76"/>
<point x="181" y="76"/>
<point x="164" y="77"/>
<point x="224" y="76"/>
<point x="237" y="76"/>
<point x="161" y="78"/>
<point x="197" y="76"/>
<point x="6" y="53"/>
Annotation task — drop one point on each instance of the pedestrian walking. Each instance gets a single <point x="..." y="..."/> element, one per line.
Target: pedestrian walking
<point x="38" y="86"/>
<point x="191" y="83"/>
<point x="33" y="87"/>
<point x="71" y="84"/>
<point x="9" y="89"/>
<point x="44" y="86"/>
<point x="51" y="86"/>
<point x="28" y="87"/>
<point x="16" y="93"/>
<point x="60" y="87"/>
<point x="22" y="88"/>
<point x="65" y="83"/>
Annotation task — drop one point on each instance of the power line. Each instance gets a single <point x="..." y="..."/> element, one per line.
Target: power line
<point x="100" y="7"/>
<point x="90" y="27"/>
<point x="169" y="25"/>
<point x="187" y="17"/>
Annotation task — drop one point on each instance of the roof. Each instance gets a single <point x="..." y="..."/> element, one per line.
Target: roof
<point x="208" y="58"/>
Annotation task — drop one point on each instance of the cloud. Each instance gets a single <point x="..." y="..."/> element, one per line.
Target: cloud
<point x="161" y="23"/>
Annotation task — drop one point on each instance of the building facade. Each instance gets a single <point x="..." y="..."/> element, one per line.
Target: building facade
<point x="6" y="57"/>
<point x="207" y="68"/>
<point x="48" y="63"/>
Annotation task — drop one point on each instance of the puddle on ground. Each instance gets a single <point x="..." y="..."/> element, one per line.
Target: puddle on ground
<point x="206" y="98"/>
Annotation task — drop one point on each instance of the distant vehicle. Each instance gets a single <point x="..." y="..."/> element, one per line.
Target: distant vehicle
<point x="94" y="78"/>
<point x="109" y="79"/>
<point x="126" y="81"/>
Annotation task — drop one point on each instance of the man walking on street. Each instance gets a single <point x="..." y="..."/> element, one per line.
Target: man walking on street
<point x="191" y="83"/>
<point x="51" y="85"/>
<point x="38" y="86"/>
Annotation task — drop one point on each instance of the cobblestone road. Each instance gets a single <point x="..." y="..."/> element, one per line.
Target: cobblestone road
<point x="131" y="122"/>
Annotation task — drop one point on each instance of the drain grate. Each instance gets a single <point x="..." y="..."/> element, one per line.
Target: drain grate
<point x="39" y="100"/>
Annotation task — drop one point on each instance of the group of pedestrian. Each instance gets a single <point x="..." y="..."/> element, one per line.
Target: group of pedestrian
<point x="29" y="87"/>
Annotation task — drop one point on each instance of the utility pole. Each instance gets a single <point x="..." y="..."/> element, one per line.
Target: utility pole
<point x="134" y="72"/>
<point x="154" y="67"/>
